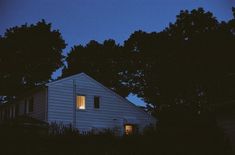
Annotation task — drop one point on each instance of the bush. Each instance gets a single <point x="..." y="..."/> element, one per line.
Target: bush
<point x="57" y="129"/>
<point x="201" y="136"/>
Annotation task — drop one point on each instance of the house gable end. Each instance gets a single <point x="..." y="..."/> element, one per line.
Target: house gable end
<point x="62" y="99"/>
<point x="111" y="92"/>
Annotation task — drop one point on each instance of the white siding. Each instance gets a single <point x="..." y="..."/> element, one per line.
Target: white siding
<point x="114" y="110"/>
<point x="60" y="102"/>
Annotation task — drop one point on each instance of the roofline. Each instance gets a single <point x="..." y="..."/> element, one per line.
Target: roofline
<point x="19" y="97"/>
<point x="65" y="78"/>
<point x="80" y="74"/>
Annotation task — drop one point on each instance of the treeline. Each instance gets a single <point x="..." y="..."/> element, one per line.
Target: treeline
<point x="190" y="62"/>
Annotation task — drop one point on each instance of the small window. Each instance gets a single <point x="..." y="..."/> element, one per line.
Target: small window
<point x="129" y="129"/>
<point x="97" y="102"/>
<point x="31" y="102"/>
<point x="81" y="102"/>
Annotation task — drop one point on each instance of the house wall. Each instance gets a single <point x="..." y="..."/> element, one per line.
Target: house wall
<point x="39" y="109"/>
<point x="61" y="102"/>
<point x="114" y="111"/>
<point x="39" y="106"/>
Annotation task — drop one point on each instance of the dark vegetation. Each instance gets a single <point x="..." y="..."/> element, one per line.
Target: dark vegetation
<point x="189" y="62"/>
<point x="28" y="56"/>
<point x="186" y="74"/>
<point x="192" y="136"/>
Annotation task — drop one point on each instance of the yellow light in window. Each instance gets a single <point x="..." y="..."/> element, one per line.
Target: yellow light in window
<point x="81" y="102"/>
<point x="129" y="129"/>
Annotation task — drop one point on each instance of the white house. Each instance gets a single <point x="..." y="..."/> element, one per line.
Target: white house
<point x="82" y="102"/>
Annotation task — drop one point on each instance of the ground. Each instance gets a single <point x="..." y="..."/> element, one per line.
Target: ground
<point x="227" y="122"/>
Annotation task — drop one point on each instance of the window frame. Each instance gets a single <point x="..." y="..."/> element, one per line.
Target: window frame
<point x="76" y="102"/>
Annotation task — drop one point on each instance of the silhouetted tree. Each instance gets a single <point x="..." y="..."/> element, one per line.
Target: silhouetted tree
<point x="105" y="62"/>
<point x="28" y="56"/>
<point x="185" y="63"/>
<point x="188" y="63"/>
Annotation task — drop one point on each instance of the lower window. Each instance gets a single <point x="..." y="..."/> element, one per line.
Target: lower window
<point x="129" y="129"/>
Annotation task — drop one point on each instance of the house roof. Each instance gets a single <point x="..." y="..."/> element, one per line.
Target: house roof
<point x="22" y="95"/>
<point x="65" y="78"/>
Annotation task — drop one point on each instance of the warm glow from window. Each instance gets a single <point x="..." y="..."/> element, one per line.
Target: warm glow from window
<point x="81" y="102"/>
<point x="129" y="129"/>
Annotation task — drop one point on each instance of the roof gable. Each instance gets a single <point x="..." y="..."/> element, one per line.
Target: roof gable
<point x="64" y="79"/>
<point x="115" y="94"/>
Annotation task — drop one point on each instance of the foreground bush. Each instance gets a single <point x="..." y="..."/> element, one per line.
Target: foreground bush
<point x="196" y="137"/>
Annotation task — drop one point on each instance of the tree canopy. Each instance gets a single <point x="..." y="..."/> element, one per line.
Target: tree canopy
<point x="103" y="61"/>
<point x="28" y="56"/>
<point x="189" y="62"/>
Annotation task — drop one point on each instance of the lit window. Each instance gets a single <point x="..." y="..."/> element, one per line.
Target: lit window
<point x="129" y="129"/>
<point x="97" y="102"/>
<point x="81" y="102"/>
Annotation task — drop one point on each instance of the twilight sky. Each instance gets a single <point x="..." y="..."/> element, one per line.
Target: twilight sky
<point x="80" y="21"/>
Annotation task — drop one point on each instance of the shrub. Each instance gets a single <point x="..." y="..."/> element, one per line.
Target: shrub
<point x="62" y="129"/>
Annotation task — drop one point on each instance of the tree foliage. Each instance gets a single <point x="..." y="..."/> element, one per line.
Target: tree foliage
<point x="186" y="63"/>
<point x="28" y="56"/>
<point x="103" y="61"/>
<point x="190" y="62"/>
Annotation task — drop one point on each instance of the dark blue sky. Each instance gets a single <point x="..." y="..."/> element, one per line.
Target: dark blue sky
<point x="80" y="21"/>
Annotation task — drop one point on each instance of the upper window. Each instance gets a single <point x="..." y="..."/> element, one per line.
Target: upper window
<point x="97" y="102"/>
<point x="81" y="102"/>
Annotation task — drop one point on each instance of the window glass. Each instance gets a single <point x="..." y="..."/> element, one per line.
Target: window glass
<point x="97" y="102"/>
<point x="129" y="129"/>
<point x="81" y="102"/>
